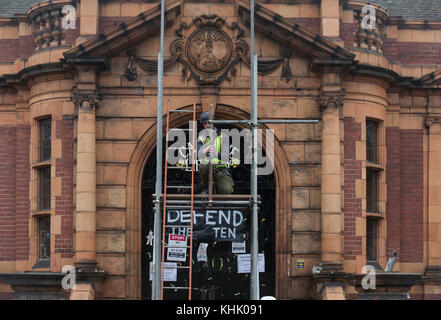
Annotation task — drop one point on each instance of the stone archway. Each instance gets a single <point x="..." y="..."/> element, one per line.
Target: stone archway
<point x="283" y="206"/>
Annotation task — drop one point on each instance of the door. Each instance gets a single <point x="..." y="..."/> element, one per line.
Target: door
<point x="217" y="278"/>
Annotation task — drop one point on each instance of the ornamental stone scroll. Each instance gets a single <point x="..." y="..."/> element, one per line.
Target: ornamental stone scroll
<point x="328" y="99"/>
<point x="86" y="101"/>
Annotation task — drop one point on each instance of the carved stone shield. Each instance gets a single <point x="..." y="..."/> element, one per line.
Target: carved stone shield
<point x="209" y="49"/>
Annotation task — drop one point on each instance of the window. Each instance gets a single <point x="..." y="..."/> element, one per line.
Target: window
<point x="45" y="139"/>
<point x="44" y="188"/>
<point x="371" y="239"/>
<point x="44" y="236"/>
<point x="371" y="141"/>
<point x="43" y="242"/>
<point x="371" y="190"/>
<point x="41" y="164"/>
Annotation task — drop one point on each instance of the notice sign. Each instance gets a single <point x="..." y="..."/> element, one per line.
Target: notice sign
<point x="176" y="254"/>
<point x="218" y="225"/>
<point x="170" y="271"/>
<point x="300" y="264"/>
<point x="238" y="247"/>
<point x="175" y="240"/>
<point x="244" y="263"/>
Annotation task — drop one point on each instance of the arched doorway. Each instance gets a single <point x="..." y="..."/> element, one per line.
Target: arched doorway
<point x="218" y="278"/>
<point x="133" y="234"/>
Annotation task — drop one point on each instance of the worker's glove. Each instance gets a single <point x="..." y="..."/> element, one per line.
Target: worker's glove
<point x="181" y="163"/>
<point x="234" y="162"/>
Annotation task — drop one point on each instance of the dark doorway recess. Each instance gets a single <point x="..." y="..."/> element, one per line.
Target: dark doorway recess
<point x="218" y="278"/>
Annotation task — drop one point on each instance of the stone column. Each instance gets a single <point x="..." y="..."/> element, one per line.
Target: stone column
<point x="433" y="269"/>
<point x="85" y="239"/>
<point x="331" y="233"/>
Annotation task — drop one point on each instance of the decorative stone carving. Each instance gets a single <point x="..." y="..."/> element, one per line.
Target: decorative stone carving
<point x="131" y="74"/>
<point x="86" y="101"/>
<point x="209" y="55"/>
<point x="331" y="99"/>
<point x="209" y="49"/>
<point x="369" y="38"/>
<point x="46" y="20"/>
<point x="430" y="120"/>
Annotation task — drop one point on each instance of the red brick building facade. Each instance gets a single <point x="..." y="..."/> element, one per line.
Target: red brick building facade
<point x="78" y="131"/>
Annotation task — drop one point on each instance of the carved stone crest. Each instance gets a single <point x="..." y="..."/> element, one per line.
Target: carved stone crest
<point x="209" y="49"/>
<point x="209" y="55"/>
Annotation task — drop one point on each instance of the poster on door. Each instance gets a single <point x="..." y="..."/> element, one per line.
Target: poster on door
<point x="175" y="240"/>
<point x="176" y="254"/>
<point x="214" y="225"/>
<point x="170" y="271"/>
<point x="244" y="263"/>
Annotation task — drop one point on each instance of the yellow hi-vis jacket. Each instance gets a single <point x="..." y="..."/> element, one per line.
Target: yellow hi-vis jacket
<point x="217" y="145"/>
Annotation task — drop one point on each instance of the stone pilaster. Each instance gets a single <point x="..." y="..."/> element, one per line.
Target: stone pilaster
<point x="330" y="18"/>
<point x="89" y="20"/>
<point x="85" y="236"/>
<point x="432" y="278"/>
<point x="331" y="233"/>
<point x="434" y="205"/>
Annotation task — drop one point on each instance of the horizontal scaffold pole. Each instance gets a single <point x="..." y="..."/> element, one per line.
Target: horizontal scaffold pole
<point x="270" y="121"/>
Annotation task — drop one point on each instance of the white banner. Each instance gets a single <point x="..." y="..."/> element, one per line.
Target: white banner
<point x="176" y="254"/>
<point x="244" y="263"/>
<point x="170" y="271"/>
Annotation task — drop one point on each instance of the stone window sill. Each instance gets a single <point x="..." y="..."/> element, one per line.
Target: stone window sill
<point x="40" y="164"/>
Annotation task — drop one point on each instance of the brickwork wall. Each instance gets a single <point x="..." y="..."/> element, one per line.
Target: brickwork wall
<point x="8" y="136"/>
<point x="64" y="202"/>
<point x="9" y="50"/>
<point x="71" y="35"/>
<point x="393" y="191"/>
<point x="412" y="52"/>
<point x="347" y="31"/>
<point x="26" y="46"/>
<point x="352" y="204"/>
<point x="411" y="187"/>
<point x="22" y="208"/>
<point x="108" y="22"/>
<point x="390" y="49"/>
<point x="312" y="24"/>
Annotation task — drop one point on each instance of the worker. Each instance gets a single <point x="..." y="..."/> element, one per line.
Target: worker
<point x="222" y="179"/>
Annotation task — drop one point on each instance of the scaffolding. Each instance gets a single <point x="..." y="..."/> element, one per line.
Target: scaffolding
<point x="202" y="201"/>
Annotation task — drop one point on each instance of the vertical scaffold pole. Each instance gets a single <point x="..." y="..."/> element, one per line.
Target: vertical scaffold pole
<point x="254" y="288"/>
<point x="156" y="278"/>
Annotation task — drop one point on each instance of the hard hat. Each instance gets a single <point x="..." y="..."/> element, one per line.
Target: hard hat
<point x="205" y="116"/>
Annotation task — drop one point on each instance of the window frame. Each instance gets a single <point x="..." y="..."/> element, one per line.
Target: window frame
<point x="43" y="196"/>
<point x="372" y="148"/>
<point x="42" y="262"/>
<point x="372" y="205"/>
<point x="44" y="144"/>
<point x="41" y="187"/>
<point x="374" y="236"/>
